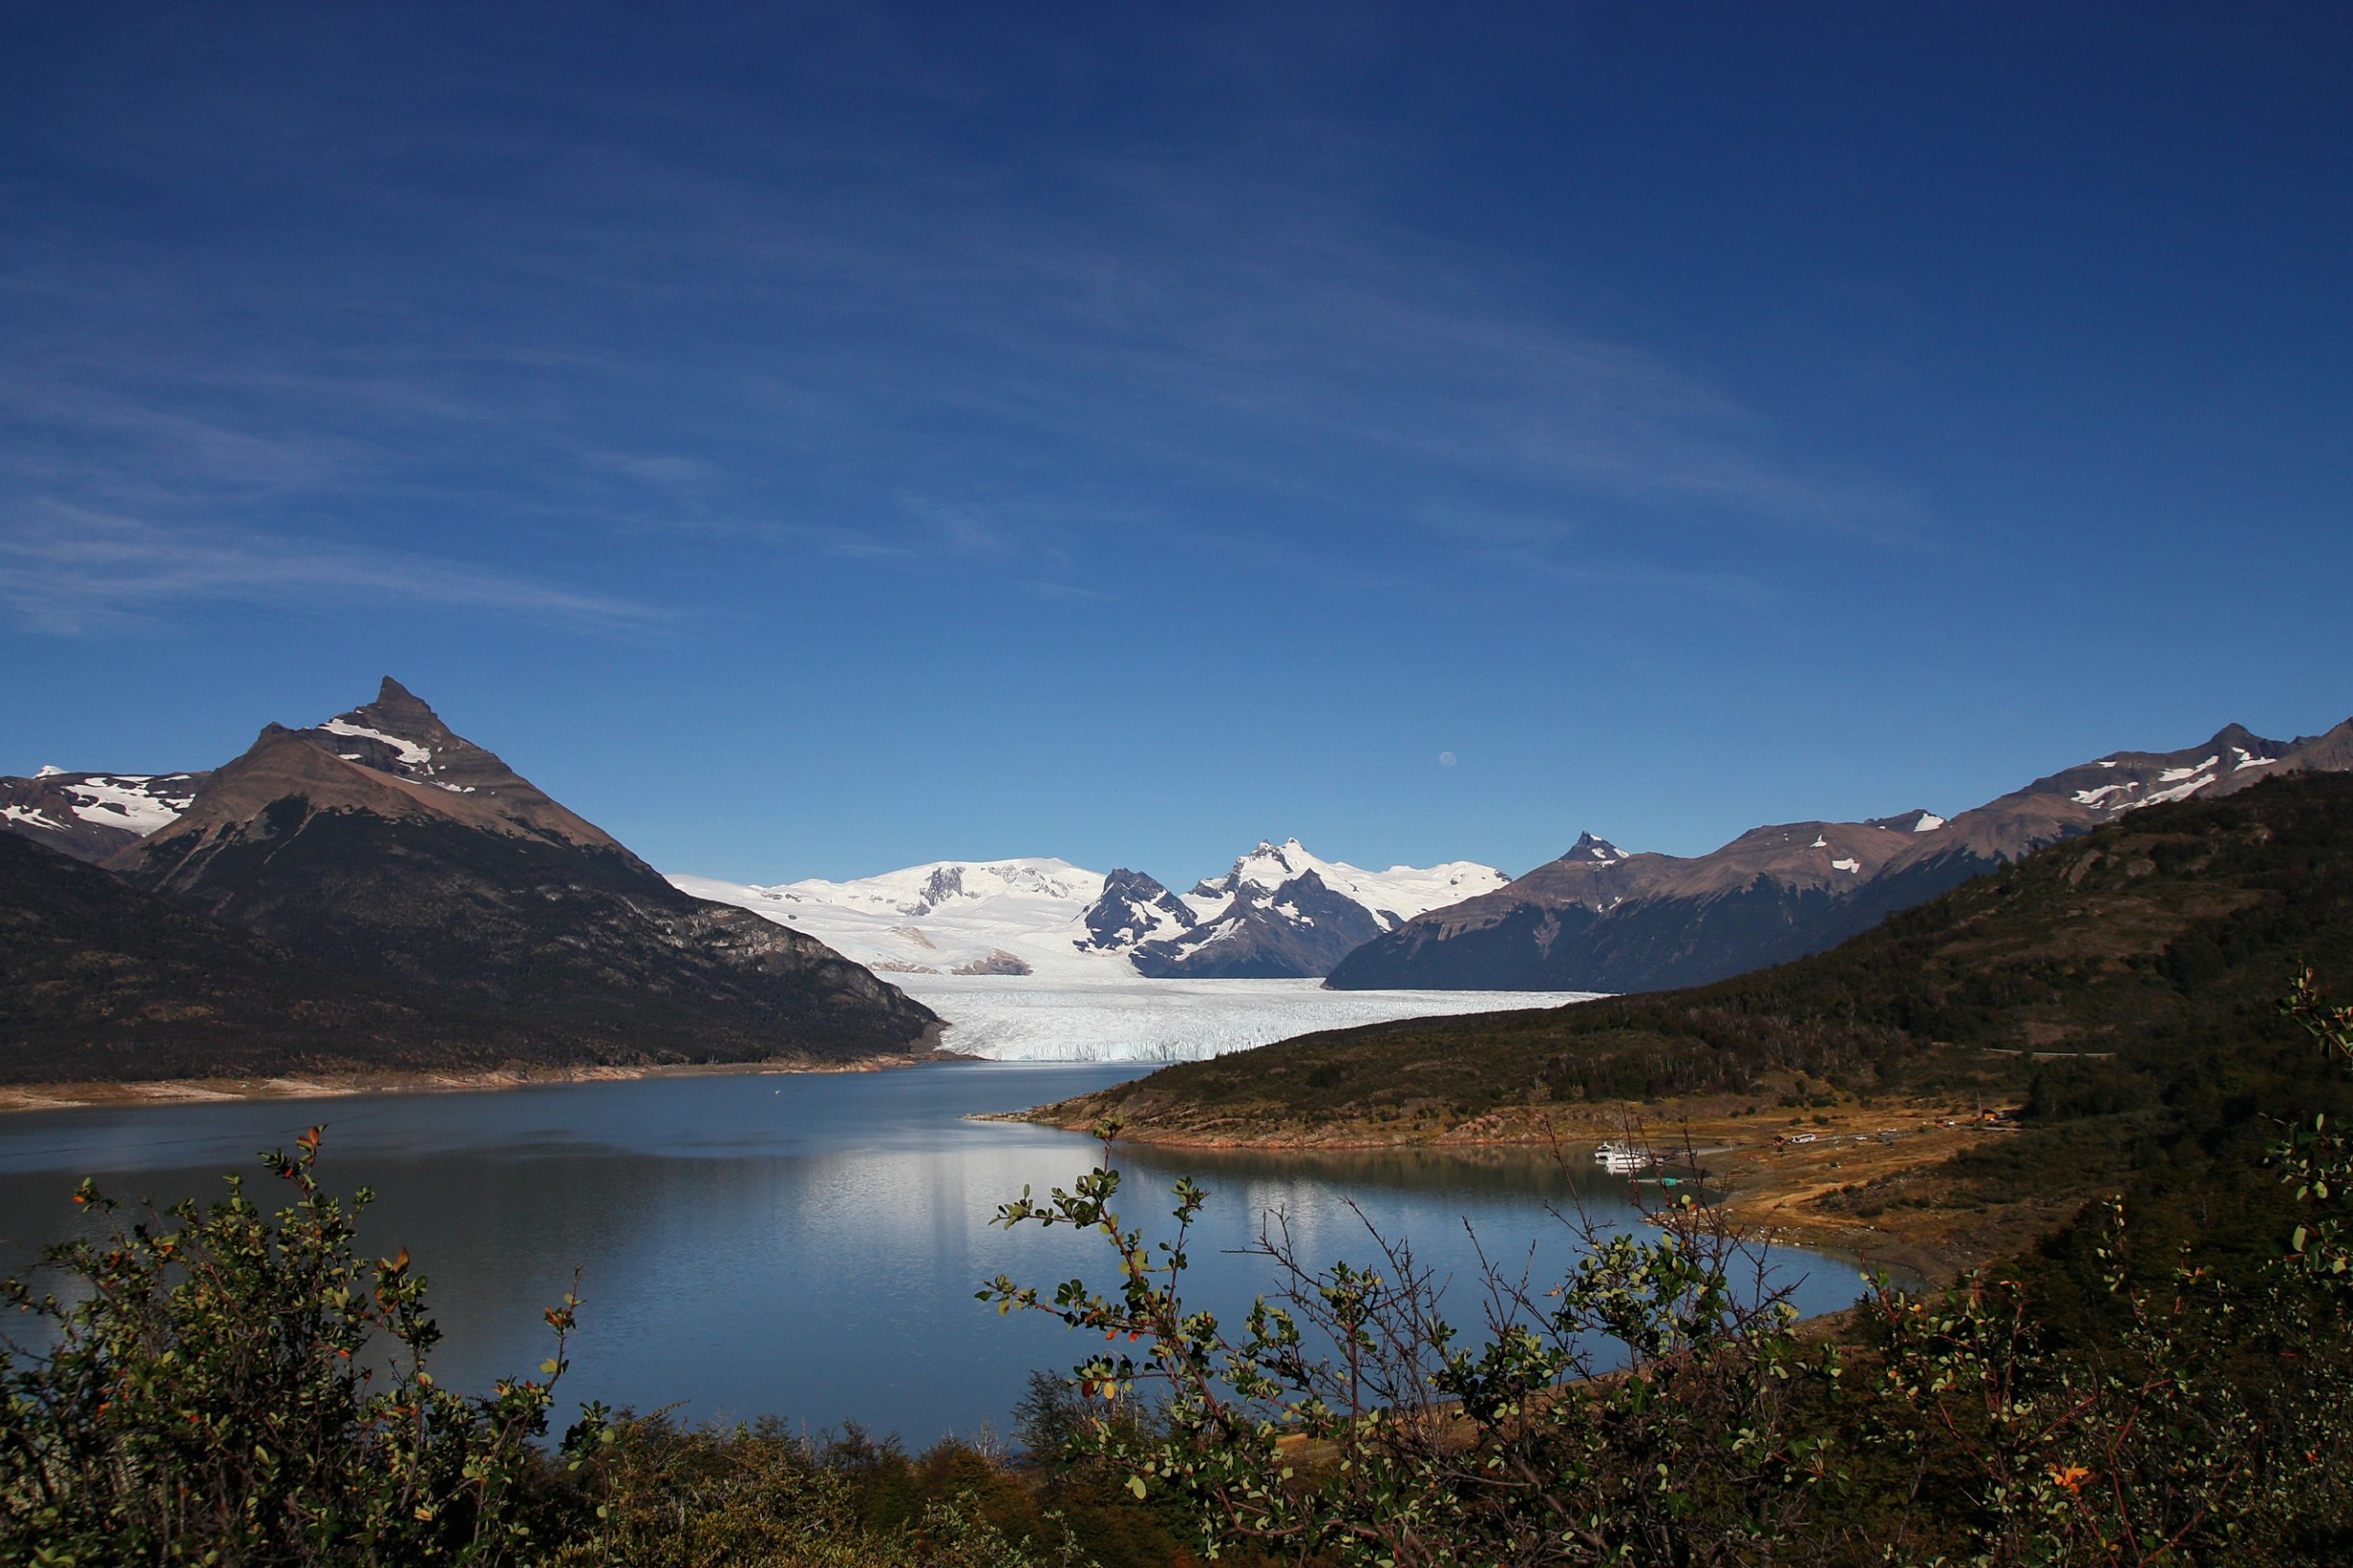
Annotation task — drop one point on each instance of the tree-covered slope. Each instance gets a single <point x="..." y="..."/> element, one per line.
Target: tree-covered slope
<point x="100" y="981"/>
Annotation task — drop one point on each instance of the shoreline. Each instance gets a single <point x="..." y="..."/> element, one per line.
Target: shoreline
<point x="92" y="1095"/>
<point x="1769" y="1185"/>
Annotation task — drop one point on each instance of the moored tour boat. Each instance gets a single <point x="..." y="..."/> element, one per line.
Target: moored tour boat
<point x="1621" y="1158"/>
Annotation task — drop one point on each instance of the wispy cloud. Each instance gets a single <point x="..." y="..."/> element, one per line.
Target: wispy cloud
<point x="911" y="361"/>
<point x="76" y="572"/>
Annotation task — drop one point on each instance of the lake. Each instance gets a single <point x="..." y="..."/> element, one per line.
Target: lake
<point x="800" y="1245"/>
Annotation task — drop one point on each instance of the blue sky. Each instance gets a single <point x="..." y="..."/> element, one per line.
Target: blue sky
<point x="810" y="440"/>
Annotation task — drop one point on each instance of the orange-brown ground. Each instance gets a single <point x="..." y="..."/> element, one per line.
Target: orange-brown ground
<point x="1865" y="1180"/>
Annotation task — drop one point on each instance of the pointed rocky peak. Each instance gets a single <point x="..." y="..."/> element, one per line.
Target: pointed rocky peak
<point x="1304" y="891"/>
<point x="1916" y="821"/>
<point x="1592" y="848"/>
<point x="1271" y="864"/>
<point x="1134" y="908"/>
<point x="399" y="734"/>
<point x="1265" y="867"/>
<point x="2244" y="741"/>
<point x="402" y="711"/>
<point x="391" y="758"/>
<point x="1140" y="886"/>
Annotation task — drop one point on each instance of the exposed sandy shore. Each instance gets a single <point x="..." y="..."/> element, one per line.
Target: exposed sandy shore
<point x="328" y="1085"/>
<point x="1763" y="1179"/>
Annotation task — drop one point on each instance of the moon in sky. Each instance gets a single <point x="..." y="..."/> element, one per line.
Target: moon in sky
<point x="1446" y="759"/>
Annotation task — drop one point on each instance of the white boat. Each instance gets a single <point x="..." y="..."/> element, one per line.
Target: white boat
<point x="1624" y="1158"/>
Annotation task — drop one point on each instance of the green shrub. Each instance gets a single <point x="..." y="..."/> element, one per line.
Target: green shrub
<point x="233" y="1386"/>
<point x="663" y="1496"/>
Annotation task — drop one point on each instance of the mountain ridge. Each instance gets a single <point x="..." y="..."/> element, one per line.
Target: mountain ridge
<point x="1620" y="922"/>
<point x="1599" y="918"/>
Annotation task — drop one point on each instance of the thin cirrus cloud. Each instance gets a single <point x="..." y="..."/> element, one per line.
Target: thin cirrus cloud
<point x="75" y="573"/>
<point x="1299" y="358"/>
<point x="1164" y="353"/>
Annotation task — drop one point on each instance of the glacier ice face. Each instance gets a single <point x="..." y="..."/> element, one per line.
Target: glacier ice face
<point x="1133" y="1019"/>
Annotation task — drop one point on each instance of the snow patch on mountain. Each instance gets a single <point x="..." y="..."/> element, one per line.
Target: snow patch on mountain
<point x="142" y="802"/>
<point x="2184" y="783"/>
<point x="408" y="751"/>
<point x="137" y="803"/>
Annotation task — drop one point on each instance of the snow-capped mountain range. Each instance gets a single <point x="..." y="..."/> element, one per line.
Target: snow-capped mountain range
<point x="1280" y="911"/>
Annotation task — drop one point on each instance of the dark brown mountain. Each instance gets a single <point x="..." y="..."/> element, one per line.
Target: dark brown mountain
<point x="1599" y="919"/>
<point x="101" y="981"/>
<point x="389" y="849"/>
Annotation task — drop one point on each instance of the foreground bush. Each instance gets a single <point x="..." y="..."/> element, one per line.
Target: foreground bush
<point x="661" y="1495"/>
<point x="233" y="1386"/>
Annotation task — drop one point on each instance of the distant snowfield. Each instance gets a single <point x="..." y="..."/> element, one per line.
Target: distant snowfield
<point x="941" y="915"/>
<point x="1033" y="1018"/>
<point x="1000" y="916"/>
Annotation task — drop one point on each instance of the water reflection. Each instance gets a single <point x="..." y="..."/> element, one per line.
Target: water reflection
<point x="805" y="1246"/>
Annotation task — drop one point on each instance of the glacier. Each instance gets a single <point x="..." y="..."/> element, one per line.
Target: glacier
<point x="1129" y="1018"/>
<point x="1002" y="952"/>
